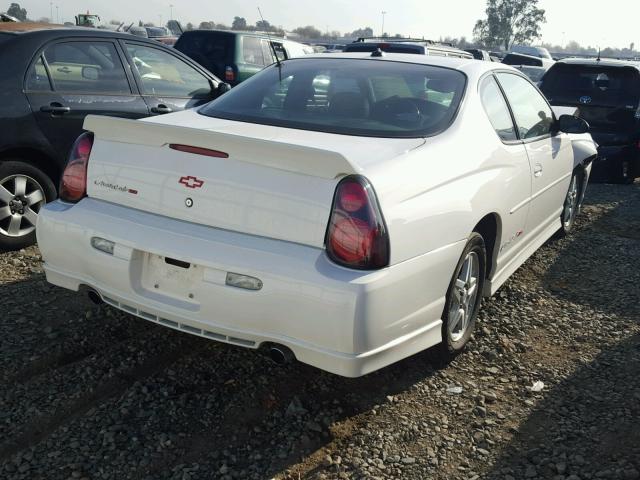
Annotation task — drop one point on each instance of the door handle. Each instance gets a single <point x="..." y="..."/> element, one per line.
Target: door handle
<point x="161" y="109"/>
<point x="537" y="170"/>
<point x="55" y="109"/>
<point x="64" y="69"/>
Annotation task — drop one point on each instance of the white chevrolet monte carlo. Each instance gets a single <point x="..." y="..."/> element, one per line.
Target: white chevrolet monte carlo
<point x="347" y="210"/>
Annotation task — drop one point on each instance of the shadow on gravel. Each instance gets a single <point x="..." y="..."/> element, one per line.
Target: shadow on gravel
<point x="588" y="425"/>
<point x="613" y="238"/>
<point x="96" y="377"/>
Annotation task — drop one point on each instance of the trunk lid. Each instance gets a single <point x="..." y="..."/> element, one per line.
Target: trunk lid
<point x="277" y="183"/>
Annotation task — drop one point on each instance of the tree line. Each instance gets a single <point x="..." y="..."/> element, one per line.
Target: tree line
<point x="507" y="22"/>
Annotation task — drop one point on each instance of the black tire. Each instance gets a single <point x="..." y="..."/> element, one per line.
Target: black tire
<point x="36" y="180"/>
<point x="571" y="207"/>
<point x="453" y="344"/>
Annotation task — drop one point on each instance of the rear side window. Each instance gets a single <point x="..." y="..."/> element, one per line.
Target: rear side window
<point x="533" y="115"/>
<point x="252" y="51"/>
<point x="596" y="85"/>
<point x="267" y="51"/>
<point x="497" y="110"/>
<point x="37" y="78"/>
<point x="346" y="96"/>
<point x="86" y="67"/>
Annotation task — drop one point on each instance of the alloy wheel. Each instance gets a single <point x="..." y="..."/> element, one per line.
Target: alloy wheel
<point x="463" y="297"/>
<point x="570" y="203"/>
<point x="21" y="198"/>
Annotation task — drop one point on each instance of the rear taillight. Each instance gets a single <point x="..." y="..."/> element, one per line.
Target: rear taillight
<point x="357" y="235"/>
<point x="229" y="74"/>
<point x="73" y="185"/>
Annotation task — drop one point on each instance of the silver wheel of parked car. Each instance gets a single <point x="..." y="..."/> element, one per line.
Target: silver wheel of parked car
<point x="571" y="206"/>
<point x="464" y="297"/>
<point x="20" y="200"/>
<point x="463" y="300"/>
<point x="571" y="203"/>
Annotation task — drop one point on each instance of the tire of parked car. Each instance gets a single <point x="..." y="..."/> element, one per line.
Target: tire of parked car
<point x="571" y="206"/>
<point x="24" y="189"/>
<point x="464" y="297"/>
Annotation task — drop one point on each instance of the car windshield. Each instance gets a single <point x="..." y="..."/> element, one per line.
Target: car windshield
<point x="347" y="96"/>
<point x="596" y="85"/>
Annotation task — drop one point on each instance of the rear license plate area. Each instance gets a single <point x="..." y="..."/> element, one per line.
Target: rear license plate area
<point x="171" y="277"/>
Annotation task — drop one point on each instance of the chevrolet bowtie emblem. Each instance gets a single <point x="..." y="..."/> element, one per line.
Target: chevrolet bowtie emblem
<point x="191" y="182"/>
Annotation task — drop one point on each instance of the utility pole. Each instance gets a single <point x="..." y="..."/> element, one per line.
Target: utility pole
<point x="170" y="12"/>
<point x="57" y="15"/>
<point x="51" y="13"/>
<point x="383" y="14"/>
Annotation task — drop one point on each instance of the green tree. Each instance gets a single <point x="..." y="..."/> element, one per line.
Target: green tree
<point x="263" y="25"/>
<point x="189" y="26"/>
<point x="308" y="32"/>
<point x="362" y="32"/>
<point x="207" y="25"/>
<point x="15" y="11"/>
<point x="509" y="22"/>
<point x="239" y="23"/>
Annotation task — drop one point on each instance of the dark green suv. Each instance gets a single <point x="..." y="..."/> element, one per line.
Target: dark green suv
<point x="236" y="56"/>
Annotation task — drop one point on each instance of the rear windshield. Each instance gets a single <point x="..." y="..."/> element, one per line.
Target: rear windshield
<point x="515" y="59"/>
<point x="347" y="96"/>
<point x="596" y="85"/>
<point x="157" y="32"/>
<point x="212" y="50"/>
<point x="391" y="48"/>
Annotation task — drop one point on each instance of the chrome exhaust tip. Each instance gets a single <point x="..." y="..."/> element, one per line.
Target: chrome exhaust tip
<point x="281" y="355"/>
<point x="94" y="297"/>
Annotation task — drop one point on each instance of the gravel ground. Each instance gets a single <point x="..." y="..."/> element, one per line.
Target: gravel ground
<point x="549" y="388"/>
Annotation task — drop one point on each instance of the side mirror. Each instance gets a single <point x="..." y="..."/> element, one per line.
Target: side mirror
<point x="571" y="124"/>
<point x="222" y="88"/>
<point x="90" y="73"/>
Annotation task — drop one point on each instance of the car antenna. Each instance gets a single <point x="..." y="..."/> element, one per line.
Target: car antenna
<point x="273" y="47"/>
<point x="599" y="59"/>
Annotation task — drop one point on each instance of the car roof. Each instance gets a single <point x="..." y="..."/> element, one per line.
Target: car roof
<point x="469" y="66"/>
<point x="594" y="62"/>
<point x="22" y="27"/>
<point x="206" y="31"/>
<point x="46" y="30"/>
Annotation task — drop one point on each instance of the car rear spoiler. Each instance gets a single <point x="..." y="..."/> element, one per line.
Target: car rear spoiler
<point x="280" y="155"/>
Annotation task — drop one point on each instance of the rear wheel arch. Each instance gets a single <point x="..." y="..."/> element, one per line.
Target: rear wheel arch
<point x="490" y="228"/>
<point x="34" y="157"/>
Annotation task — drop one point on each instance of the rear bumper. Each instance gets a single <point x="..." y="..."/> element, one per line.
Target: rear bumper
<point x="609" y="164"/>
<point x="343" y="321"/>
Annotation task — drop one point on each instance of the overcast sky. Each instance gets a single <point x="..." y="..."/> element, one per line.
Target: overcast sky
<point x="610" y="23"/>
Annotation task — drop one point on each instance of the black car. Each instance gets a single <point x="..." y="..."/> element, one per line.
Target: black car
<point x="607" y="94"/>
<point x="51" y="78"/>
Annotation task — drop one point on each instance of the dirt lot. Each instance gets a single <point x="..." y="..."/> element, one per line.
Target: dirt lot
<point x="89" y="392"/>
